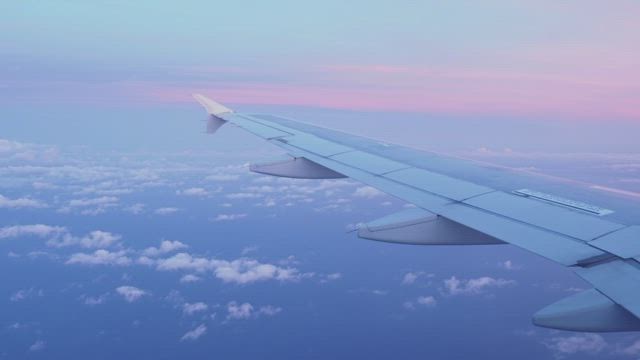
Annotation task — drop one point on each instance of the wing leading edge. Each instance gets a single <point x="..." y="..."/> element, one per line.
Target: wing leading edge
<point x="456" y="211"/>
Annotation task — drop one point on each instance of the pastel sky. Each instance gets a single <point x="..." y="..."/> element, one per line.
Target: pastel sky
<point x="126" y="232"/>
<point x="569" y="60"/>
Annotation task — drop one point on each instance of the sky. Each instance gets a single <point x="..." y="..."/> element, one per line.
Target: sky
<point x="126" y="231"/>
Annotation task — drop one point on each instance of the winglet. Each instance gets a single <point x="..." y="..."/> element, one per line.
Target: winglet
<point x="213" y="108"/>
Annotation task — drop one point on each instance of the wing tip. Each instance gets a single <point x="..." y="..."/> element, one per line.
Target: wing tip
<point x="213" y="108"/>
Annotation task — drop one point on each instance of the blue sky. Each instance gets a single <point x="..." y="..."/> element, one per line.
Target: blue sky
<point x="126" y="231"/>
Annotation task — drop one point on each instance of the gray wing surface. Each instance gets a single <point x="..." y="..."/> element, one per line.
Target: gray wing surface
<point x="463" y="203"/>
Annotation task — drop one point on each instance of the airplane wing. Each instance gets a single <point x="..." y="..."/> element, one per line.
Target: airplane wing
<point x="463" y="203"/>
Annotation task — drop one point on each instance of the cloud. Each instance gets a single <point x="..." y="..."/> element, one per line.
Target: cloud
<point x="99" y="239"/>
<point x="41" y="185"/>
<point x="509" y="265"/>
<point x="131" y="293"/>
<point x="60" y="236"/>
<point x="194" y="191"/>
<point x="454" y="286"/>
<point x="249" y="249"/>
<point x="25" y="152"/>
<point x="166" y="211"/>
<point x="192" y="308"/>
<point x="332" y="277"/>
<point x="39" y="230"/>
<point x="185" y="261"/>
<point x="229" y="217"/>
<point x="631" y="350"/>
<point x="20" y="203"/>
<point x="247" y="311"/>
<point x="236" y="196"/>
<point x="100" y="257"/>
<point x="145" y="260"/>
<point x="24" y="294"/>
<point x="268" y="202"/>
<point x="95" y="239"/>
<point x="367" y="192"/>
<point x="166" y="246"/>
<point x="104" y="200"/>
<point x="424" y="301"/>
<point x="195" y="334"/>
<point x="411" y="277"/>
<point x="239" y="271"/>
<point x="91" y="206"/>
<point x="222" y="177"/>
<point x="189" y="278"/>
<point x="580" y="343"/>
<point x="39" y="345"/>
<point x="93" y="300"/>
<point x="135" y="209"/>
<point x="269" y="310"/>
<point x="245" y="271"/>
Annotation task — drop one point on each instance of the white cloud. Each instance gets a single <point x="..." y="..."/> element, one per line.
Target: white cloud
<point x="135" y="209"/>
<point x="104" y="200"/>
<point x="412" y="276"/>
<point x="166" y="211"/>
<point x="39" y="230"/>
<point x="367" y="192"/>
<point x="632" y="350"/>
<point x="95" y="239"/>
<point x="509" y="265"/>
<point x="24" y="294"/>
<point x="428" y="301"/>
<point x="424" y="301"/>
<point x="41" y="185"/>
<point x="25" y="152"/>
<point x="229" y="217"/>
<point x="246" y="311"/>
<point x="60" y="236"/>
<point x="222" y="177"/>
<point x="409" y="305"/>
<point x="93" y="300"/>
<point x="239" y="271"/>
<point x="184" y="261"/>
<point x="37" y="346"/>
<point x="145" y="260"/>
<point x="334" y="276"/>
<point x="269" y="310"/>
<point x="409" y="278"/>
<point x="194" y="334"/>
<point x="104" y="188"/>
<point x="245" y="271"/>
<point x="194" y="191"/>
<point x="236" y="196"/>
<point x="454" y="286"/>
<point x="166" y="246"/>
<point x="580" y="343"/>
<point x="189" y="278"/>
<point x="249" y="249"/>
<point x="91" y="206"/>
<point x="100" y="257"/>
<point x="192" y="308"/>
<point x="131" y="293"/>
<point x="20" y="203"/>
<point x="268" y="202"/>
